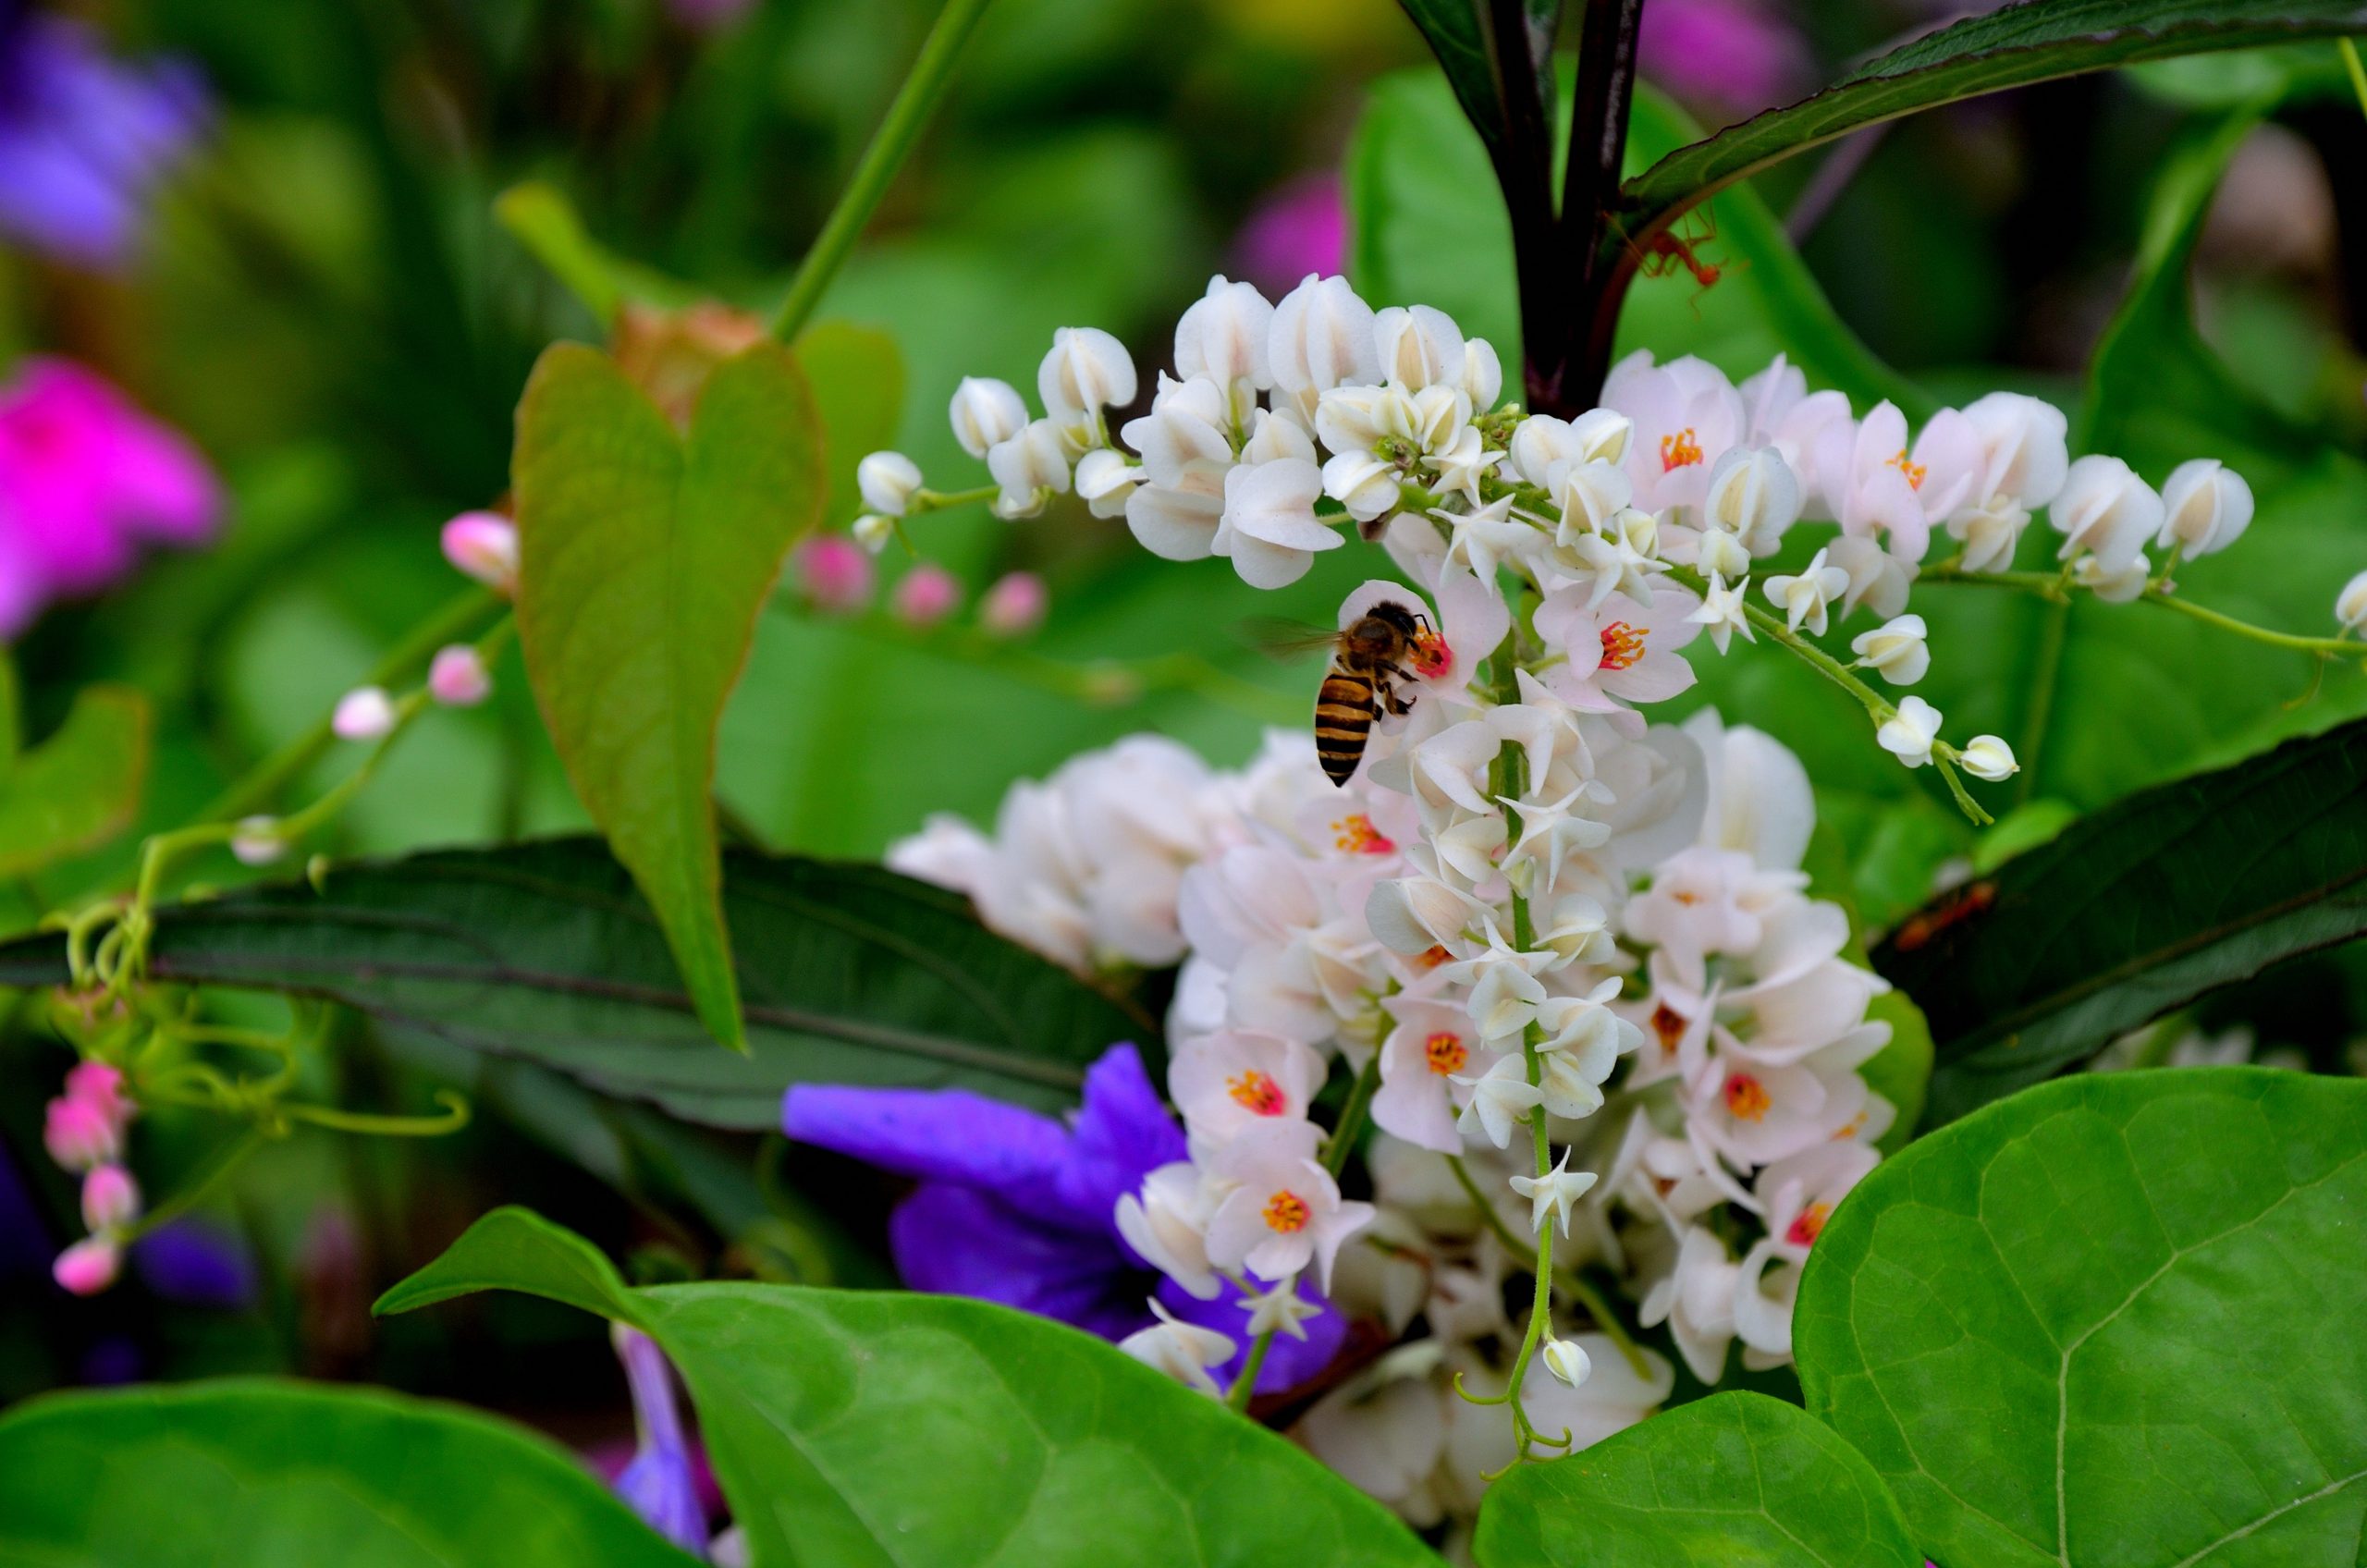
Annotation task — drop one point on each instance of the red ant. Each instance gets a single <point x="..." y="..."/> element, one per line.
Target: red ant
<point x="1667" y="251"/>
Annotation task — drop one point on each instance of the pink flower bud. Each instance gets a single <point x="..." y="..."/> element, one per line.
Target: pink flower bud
<point x="363" y="714"/>
<point x="458" y="678"/>
<point x="485" y="546"/>
<point x="926" y="595"/>
<point x="834" y="573"/>
<point x="79" y="1135"/>
<point x="100" y="1084"/>
<point x="88" y="1267"/>
<point x="1014" y="605"/>
<point x="110" y="1198"/>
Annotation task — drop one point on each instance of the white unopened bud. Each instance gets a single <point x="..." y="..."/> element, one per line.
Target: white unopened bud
<point x="1538" y="443"/>
<point x="1087" y="369"/>
<point x="1567" y="1360"/>
<point x="1321" y="337"/>
<point x="1602" y="435"/>
<point x="363" y="714"/>
<point x="1753" y="492"/>
<point x="1896" y="649"/>
<point x="1722" y="554"/>
<point x="1878" y="580"/>
<point x="888" y="480"/>
<point x="1989" y="757"/>
<point x="1590" y="496"/>
<point x="1412" y="915"/>
<point x="1364" y="484"/>
<point x="1104" y="480"/>
<point x="2206" y="507"/>
<point x="873" y="532"/>
<point x="1483" y="373"/>
<point x="2350" y="605"/>
<point x="985" y="414"/>
<point x="2113" y="587"/>
<point x="1028" y="465"/>
<point x="2105" y="508"/>
<point x="256" y="841"/>
<point x="1909" y="733"/>
<point x="1224" y="336"/>
<point x="1419" y="346"/>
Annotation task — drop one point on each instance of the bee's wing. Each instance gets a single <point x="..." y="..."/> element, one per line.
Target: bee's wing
<point x="1279" y="638"/>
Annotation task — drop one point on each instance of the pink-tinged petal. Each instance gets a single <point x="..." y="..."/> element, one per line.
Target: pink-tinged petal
<point x="1476" y="621"/>
<point x="1655" y="678"/>
<point x="1380" y="591"/>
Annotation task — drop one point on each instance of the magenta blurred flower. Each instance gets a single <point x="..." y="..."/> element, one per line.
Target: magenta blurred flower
<point x="924" y="595"/>
<point x="1728" y="53"/>
<point x="85" y="479"/>
<point x="84" y="139"/>
<point x="1300" y="228"/>
<point x="834" y="573"/>
<point x="1015" y="605"/>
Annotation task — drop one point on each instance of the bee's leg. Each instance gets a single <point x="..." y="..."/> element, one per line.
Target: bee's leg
<point x="1386" y="695"/>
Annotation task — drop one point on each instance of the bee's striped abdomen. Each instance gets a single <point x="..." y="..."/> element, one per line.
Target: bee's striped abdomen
<point x="1343" y="721"/>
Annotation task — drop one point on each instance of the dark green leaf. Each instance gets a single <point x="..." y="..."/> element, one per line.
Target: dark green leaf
<point x="78" y="789"/>
<point x="2008" y="47"/>
<point x="266" y="1475"/>
<point x="1502" y="84"/>
<point x="542" y="951"/>
<point x="863" y="1428"/>
<point x="647" y="559"/>
<point x="1731" y="1480"/>
<point x="2137" y="910"/>
<point x="2112" y="1320"/>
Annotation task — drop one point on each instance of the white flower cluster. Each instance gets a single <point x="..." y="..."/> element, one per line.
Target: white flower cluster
<point x="1526" y="904"/>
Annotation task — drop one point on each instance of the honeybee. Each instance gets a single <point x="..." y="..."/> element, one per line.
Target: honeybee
<point x="1367" y="659"/>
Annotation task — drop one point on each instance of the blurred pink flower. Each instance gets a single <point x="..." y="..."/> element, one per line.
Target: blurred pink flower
<point x="1728" y="53"/>
<point x="924" y="595"/>
<point x="834" y="573"/>
<point x="1014" y="605"/>
<point x="1300" y="228"/>
<point x="85" y="478"/>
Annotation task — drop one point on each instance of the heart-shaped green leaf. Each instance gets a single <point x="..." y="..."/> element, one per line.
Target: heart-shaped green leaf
<point x="263" y="1474"/>
<point x="2112" y="1321"/>
<point x="78" y="789"/>
<point x="2010" y="46"/>
<point x="1735" y="1478"/>
<point x="877" y="1429"/>
<point x="853" y="975"/>
<point x="646" y="556"/>
<point x="2136" y="909"/>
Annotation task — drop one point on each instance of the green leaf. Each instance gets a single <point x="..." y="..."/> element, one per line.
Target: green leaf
<point x="78" y="789"/>
<point x="1505" y="86"/>
<point x="2137" y="910"/>
<point x="542" y="951"/>
<point x="1736" y="1478"/>
<point x="271" y="1474"/>
<point x="858" y="380"/>
<point x="1427" y="226"/>
<point x="647" y="559"/>
<point x="2011" y="46"/>
<point x="862" y="1428"/>
<point x="2112" y="1320"/>
<point x="545" y="222"/>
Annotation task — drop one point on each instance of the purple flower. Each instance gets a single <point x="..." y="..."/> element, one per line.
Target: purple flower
<point x="1727" y="53"/>
<point x="196" y="1264"/>
<point x="84" y="139"/>
<point x="1300" y="228"/>
<point x="1014" y="1207"/>
<point x="86" y="478"/>
<point x="661" y="1483"/>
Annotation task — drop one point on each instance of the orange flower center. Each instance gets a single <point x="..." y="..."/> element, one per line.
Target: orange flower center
<point x="1914" y="471"/>
<point x="1680" y="450"/>
<point x="1431" y="656"/>
<point x="1622" y="646"/>
<point x="1429" y="958"/>
<point x="1810" y="1224"/>
<point x="1669" y="1026"/>
<point x="1355" y="834"/>
<point x="1747" y="1099"/>
<point x="1286" y="1212"/>
<point x="1257" y="1094"/>
<point x="1445" y="1052"/>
